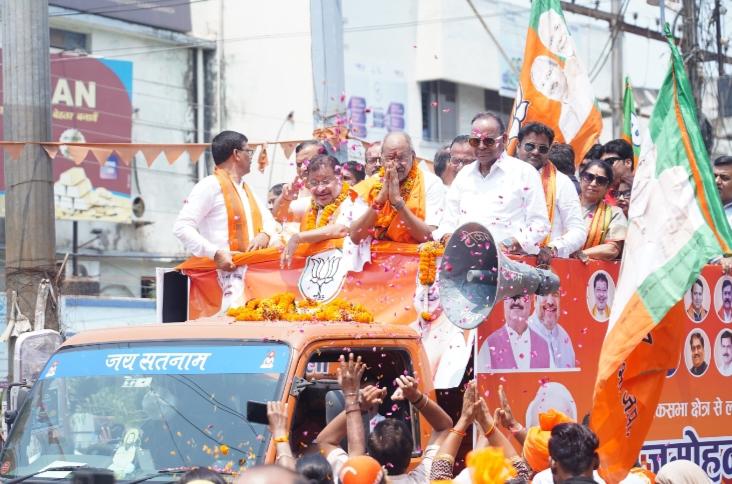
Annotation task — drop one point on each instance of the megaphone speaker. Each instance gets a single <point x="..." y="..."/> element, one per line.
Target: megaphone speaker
<point x="474" y="275"/>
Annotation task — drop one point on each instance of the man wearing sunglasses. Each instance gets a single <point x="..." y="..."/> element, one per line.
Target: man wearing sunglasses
<point x="222" y="215"/>
<point x="498" y="191"/>
<point x="618" y="153"/>
<point x="568" y="230"/>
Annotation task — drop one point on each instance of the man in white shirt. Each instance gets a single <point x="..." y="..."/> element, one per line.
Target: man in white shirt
<point x="545" y="322"/>
<point x="222" y="215"/>
<point x="514" y="346"/>
<point x="568" y="229"/>
<point x="500" y="192"/>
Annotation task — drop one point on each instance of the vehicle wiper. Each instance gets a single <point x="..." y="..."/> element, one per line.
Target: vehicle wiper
<point x="47" y="469"/>
<point x="161" y="472"/>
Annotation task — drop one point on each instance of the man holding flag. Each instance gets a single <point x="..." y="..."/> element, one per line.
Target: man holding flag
<point x="554" y="88"/>
<point x="676" y="225"/>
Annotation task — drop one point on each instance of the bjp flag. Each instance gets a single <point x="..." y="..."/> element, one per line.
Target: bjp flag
<point x="554" y="88"/>
<point x="676" y="224"/>
<point x="630" y="130"/>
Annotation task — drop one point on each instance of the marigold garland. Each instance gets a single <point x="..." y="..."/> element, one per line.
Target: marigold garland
<point x="313" y="221"/>
<point x="428" y="254"/>
<point x="283" y="307"/>
<point x="490" y="466"/>
<point x="386" y="216"/>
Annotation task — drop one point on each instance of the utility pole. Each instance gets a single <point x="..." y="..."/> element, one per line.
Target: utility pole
<point x="29" y="211"/>
<point x="690" y="50"/>
<point x="617" y="69"/>
<point x="718" y="36"/>
<point x="326" y="47"/>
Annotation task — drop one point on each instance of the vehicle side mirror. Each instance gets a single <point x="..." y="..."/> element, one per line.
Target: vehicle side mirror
<point x="32" y="351"/>
<point x="13" y="405"/>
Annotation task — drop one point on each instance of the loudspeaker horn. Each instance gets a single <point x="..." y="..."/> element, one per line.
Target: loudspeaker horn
<point x="474" y="275"/>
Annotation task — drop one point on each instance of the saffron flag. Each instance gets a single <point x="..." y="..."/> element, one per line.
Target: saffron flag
<point x="554" y="88"/>
<point x="676" y="224"/>
<point x="631" y="129"/>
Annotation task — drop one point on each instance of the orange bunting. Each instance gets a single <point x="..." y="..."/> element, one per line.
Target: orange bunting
<point x="126" y="155"/>
<point x="101" y="154"/>
<point x="334" y="135"/>
<point x="52" y="150"/>
<point x="288" y="147"/>
<point x="75" y="153"/>
<point x="262" y="159"/>
<point x="172" y="154"/>
<point x="195" y="152"/>
<point x="14" y="150"/>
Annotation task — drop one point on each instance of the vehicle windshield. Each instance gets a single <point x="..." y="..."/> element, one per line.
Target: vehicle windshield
<point x="137" y="409"/>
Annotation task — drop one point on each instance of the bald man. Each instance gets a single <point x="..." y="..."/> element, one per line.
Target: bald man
<point x="404" y="206"/>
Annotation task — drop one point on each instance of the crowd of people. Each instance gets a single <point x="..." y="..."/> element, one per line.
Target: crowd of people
<point x="534" y="203"/>
<point x="557" y="450"/>
<point x="544" y="201"/>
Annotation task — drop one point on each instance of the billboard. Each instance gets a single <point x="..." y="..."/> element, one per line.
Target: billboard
<point x="91" y="102"/>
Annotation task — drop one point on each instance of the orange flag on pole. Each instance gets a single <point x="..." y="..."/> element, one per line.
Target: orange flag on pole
<point x="554" y="88"/>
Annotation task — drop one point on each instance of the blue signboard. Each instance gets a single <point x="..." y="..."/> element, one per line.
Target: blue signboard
<point x="165" y="360"/>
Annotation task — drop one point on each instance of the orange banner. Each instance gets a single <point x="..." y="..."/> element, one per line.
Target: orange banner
<point x="386" y="286"/>
<point x="695" y="408"/>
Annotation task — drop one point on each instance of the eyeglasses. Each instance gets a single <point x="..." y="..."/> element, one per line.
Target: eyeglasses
<point x="588" y="178"/>
<point x="313" y="184"/>
<point x="248" y="151"/>
<point x="461" y="161"/>
<point x="401" y="159"/>
<point x="487" y="142"/>
<point x="374" y="160"/>
<point x="529" y="147"/>
<point x="623" y="194"/>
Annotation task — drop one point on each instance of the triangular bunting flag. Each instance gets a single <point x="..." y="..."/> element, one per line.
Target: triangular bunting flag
<point x="101" y="153"/>
<point x="14" y="150"/>
<point x="150" y="153"/>
<point x="195" y="152"/>
<point x="288" y="147"/>
<point x="172" y="153"/>
<point x="126" y="154"/>
<point x="262" y="160"/>
<point x="77" y="154"/>
<point x="52" y="150"/>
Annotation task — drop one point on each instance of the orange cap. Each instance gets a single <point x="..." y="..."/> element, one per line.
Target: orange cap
<point x="361" y="469"/>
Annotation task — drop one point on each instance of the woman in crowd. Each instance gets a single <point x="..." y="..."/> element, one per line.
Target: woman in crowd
<point x="606" y="224"/>
<point x="325" y="219"/>
<point x="352" y="172"/>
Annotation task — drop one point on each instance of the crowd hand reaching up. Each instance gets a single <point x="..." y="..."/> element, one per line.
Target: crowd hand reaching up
<point x="277" y="417"/>
<point x="470" y="408"/>
<point x="371" y="397"/>
<point x="288" y="251"/>
<point x="408" y="389"/>
<point x="349" y="375"/>
<point x="503" y="414"/>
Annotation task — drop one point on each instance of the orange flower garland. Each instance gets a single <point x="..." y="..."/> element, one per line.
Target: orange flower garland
<point x="283" y="307"/>
<point x="428" y="254"/>
<point x="313" y="221"/>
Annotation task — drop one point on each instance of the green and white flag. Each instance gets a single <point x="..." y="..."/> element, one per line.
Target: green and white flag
<point x="630" y="131"/>
<point x="676" y="224"/>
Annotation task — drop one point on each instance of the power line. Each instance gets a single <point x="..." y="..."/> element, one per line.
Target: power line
<point x="122" y="10"/>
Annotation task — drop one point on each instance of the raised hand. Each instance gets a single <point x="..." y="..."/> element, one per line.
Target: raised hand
<point x="503" y="414"/>
<point x="349" y="375"/>
<point x="408" y="389"/>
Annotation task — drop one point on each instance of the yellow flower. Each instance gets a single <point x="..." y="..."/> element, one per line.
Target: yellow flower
<point x="224" y="449"/>
<point x="328" y="210"/>
<point x="490" y="466"/>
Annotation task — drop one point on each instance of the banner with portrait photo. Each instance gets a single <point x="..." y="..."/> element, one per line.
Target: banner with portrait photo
<point x="553" y="363"/>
